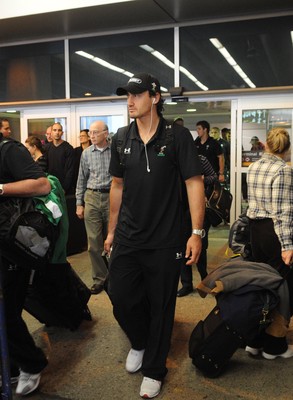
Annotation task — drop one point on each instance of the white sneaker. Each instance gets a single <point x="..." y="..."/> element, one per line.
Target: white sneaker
<point x="134" y="360"/>
<point x="254" y="351"/>
<point x="27" y="383"/>
<point x="150" y="388"/>
<point x="287" y="354"/>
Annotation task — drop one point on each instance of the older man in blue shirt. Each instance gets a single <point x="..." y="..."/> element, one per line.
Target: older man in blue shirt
<point x="92" y="199"/>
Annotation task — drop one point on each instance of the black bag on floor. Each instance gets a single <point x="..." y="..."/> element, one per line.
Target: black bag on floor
<point x="239" y="317"/>
<point x="58" y="297"/>
<point x="212" y="343"/>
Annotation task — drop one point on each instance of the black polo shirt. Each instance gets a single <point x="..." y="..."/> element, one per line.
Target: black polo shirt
<point x="151" y="210"/>
<point x="16" y="163"/>
<point x="211" y="149"/>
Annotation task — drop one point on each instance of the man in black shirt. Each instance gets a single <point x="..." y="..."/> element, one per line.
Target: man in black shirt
<point x="210" y="148"/>
<point x="146" y="227"/>
<point x="20" y="176"/>
<point x="60" y="156"/>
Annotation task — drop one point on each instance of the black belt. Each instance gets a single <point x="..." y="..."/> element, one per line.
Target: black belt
<point x="99" y="190"/>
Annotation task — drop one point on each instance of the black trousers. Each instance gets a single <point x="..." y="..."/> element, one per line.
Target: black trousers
<point x="23" y="352"/>
<point x="143" y="288"/>
<point x="266" y="248"/>
<point x="186" y="270"/>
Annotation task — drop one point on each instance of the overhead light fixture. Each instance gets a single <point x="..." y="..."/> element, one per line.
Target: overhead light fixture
<point x="292" y="37"/>
<point x="225" y="53"/>
<point x="104" y="63"/>
<point x="87" y="94"/>
<point x="11" y="111"/>
<point x="108" y="65"/>
<point x="169" y="63"/>
<point x="191" y="110"/>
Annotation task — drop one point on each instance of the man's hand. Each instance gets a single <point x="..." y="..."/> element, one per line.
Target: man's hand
<point x="221" y="178"/>
<point x="287" y="257"/>
<point x="108" y="243"/>
<point x="80" y="212"/>
<point x="193" y="249"/>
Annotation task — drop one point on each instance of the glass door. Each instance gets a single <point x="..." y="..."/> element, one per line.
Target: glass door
<point x="257" y="116"/>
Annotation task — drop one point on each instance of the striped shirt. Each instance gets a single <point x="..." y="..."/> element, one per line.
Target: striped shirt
<point x="270" y="195"/>
<point x="93" y="171"/>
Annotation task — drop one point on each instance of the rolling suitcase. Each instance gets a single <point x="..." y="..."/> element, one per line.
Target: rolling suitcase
<point x="238" y="318"/>
<point x="58" y="297"/>
<point x="212" y="343"/>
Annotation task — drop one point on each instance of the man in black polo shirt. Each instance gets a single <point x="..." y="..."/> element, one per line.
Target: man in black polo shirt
<point x="146" y="227"/>
<point x="20" y="176"/>
<point x="210" y="148"/>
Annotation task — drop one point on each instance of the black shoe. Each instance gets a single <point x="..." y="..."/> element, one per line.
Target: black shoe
<point x="96" y="288"/>
<point x="184" y="291"/>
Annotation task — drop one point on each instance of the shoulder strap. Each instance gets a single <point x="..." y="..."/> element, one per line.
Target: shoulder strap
<point x="122" y="136"/>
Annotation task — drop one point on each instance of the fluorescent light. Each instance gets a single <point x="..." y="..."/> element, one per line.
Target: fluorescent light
<point x="84" y="54"/>
<point x="225" y="53"/>
<point x="191" y="110"/>
<point x="169" y="63"/>
<point x="292" y="37"/>
<point x="19" y="8"/>
<point x="104" y="63"/>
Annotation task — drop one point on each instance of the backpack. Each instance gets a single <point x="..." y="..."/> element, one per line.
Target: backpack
<point x="219" y="204"/>
<point x="239" y="237"/>
<point x="27" y="236"/>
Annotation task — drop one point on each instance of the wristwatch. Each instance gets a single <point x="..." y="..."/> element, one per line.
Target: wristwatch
<point x="1" y="189"/>
<point x="199" y="232"/>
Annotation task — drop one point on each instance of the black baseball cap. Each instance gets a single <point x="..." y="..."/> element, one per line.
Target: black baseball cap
<point x="140" y="83"/>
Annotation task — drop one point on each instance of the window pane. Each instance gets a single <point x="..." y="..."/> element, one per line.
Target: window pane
<point x="255" y="127"/>
<point x="32" y="72"/>
<point x="123" y="51"/>
<point x="261" y="48"/>
<point x="38" y="126"/>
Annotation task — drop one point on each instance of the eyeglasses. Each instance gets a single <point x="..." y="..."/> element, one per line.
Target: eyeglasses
<point x="97" y="132"/>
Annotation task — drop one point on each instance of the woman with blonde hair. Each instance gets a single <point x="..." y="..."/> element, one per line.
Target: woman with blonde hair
<point x="270" y="200"/>
<point x="35" y="147"/>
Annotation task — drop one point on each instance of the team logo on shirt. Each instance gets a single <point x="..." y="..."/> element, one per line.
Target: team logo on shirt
<point x="161" y="152"/>
<point x="179" y="256"/>
<point x="127" y="150"/>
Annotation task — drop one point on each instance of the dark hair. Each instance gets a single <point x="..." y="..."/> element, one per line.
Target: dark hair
<point x="34" y="141"/>
<point x="204" y="124"/>
<point x="3" y="120"/>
